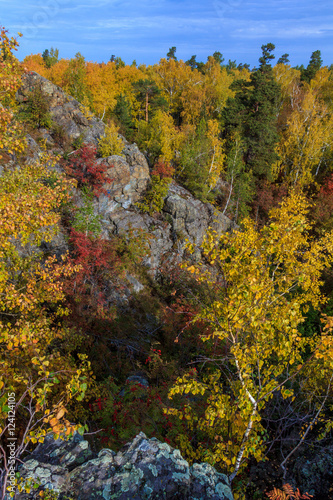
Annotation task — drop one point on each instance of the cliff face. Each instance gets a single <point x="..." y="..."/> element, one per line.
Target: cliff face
<point x="143" y="469"/>
<point x="182" y="217"/>
<point x="65" y="111"/>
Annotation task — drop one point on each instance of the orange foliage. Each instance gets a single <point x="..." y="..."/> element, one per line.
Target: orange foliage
<point x="35" y="62"/>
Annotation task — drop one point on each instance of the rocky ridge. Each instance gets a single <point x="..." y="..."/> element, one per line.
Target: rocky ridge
<point x="182" y="217"/>
<point x="142" y="469"/>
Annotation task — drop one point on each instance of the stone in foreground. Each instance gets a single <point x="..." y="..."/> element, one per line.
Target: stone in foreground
<point x="143" y="469"/>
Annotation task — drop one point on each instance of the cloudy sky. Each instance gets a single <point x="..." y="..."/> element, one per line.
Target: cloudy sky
<point x="144" y="30"/>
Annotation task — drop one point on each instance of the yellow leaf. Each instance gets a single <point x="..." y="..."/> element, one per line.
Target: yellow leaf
<point x="60" y="413"/>
<point x="53" y="422"/>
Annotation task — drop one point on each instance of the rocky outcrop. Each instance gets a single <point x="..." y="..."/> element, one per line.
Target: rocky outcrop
<point x="313" y="471"/>
<point x="65" y="111"/>
<point x="190" y="217"/>
<point x="143" y="469"/>
<point x="129" y="179"/>
<point x="182" y="217"/>
<point x="156" y="233"/>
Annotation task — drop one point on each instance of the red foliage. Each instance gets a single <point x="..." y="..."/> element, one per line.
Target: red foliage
<point x="323" y="208"/>
<point x="287" y="493"/>
<point x="129" y="411"/>
<point x="269" y="196"/>
<point x="163" y="170"/>
<point x="99" y="274"/>
<point x="83" y="166"/>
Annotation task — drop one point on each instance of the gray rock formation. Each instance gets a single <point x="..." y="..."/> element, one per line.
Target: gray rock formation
<point x="183" y="217"/>
<point x="313" y="472"/>
<point x="143" y="469"/>
<point x="65" y="111"/>
<point x="191" y="217"/>
<point x="129" y="179"/>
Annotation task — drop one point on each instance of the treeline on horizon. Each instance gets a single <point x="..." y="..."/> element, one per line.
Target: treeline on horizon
<point x="232" y="135"/>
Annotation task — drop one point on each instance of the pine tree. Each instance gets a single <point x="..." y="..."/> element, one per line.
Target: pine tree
<point x="172" y="54"/>
<point x="253" y="112"/>
<point x="314" y="65"/>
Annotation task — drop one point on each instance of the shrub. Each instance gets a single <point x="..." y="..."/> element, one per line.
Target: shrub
<point x="161" y="178"/>
<point x="85" y="220"/>
<point x="83" y="166"/>
<point x="110" y="144"/>
<point x="287" y="493"/>
<point x="35" y="110"/>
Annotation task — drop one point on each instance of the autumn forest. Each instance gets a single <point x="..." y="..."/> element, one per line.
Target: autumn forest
<point x="235" y="338"/>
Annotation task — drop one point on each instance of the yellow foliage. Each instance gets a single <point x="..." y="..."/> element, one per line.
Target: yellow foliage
<point x="110" y="144"/>
<point x="270" y="276"/>
<point x="166" y="134"/>
<point x="35" y="62"/>
<point x="308" y="132"/>
<point x="217" y="85"/>
<point x="11" y="135"/>
<point x="31" y="290"/>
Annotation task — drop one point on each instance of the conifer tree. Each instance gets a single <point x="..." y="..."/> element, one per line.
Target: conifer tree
<point x="253" y="112"/>
<point x="314" y="65"/>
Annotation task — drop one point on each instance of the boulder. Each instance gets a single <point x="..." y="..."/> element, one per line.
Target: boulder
<point x="191" y="217"/>
<point x="313" y="472"/>
<point x="129" y="179"/>
<point x="142" y="469"/>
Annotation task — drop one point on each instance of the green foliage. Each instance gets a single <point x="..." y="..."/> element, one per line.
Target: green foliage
<point x="148" y="142"/>
<point x="153" y="200"/>
<point x="119" y="62"/>
<point x="194" y="158"/>
<point x="50" y="57"/>
<point x="240" y="182"/>
<point x="172" y="53"/>
<point x="78" y="142"/>
<point x="253" y="112"/>
<point x="85" y="219"/>
<point x="75" y="78"/>
<point x="35" y="110"/>
<point x="218" y="57"/>
<point x="313" y="67"/>
<point x="284" y="59"/>
<point x="161" y="178"/>
<point x="123" y="114"/>
<point x="149" y="96"/>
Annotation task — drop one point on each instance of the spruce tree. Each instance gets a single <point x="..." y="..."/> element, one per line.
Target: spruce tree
<point x="253" y="113"/>
<point x="314" y="65"/>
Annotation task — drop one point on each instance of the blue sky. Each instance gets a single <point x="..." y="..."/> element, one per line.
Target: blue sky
<point x="144" y="30"/>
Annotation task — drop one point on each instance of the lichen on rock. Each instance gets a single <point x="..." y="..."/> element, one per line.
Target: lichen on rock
<point x="143" y="469"/>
